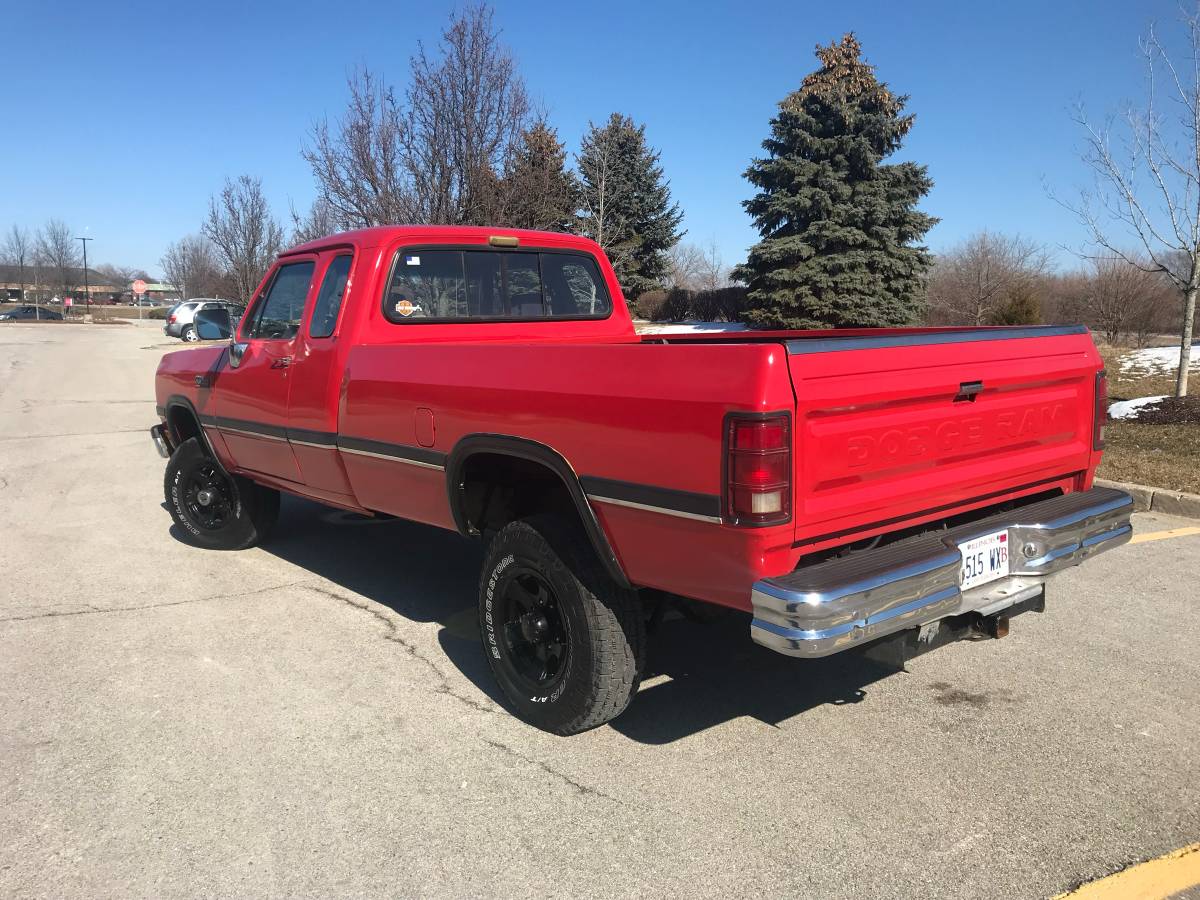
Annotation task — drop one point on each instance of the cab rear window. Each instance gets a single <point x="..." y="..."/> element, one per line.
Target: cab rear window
<point x="442" y="285"/>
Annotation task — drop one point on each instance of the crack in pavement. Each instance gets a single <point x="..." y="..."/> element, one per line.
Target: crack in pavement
<point x="443" y="685"/>
<point x="582" y="789"/>
<point x="96" y="610"/>
<point x="36" y="437"/>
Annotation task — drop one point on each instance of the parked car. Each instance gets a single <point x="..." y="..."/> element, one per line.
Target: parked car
<point x="28" y="312"/>
<point x="179" y="319"/>
<point x="909" y="486"/>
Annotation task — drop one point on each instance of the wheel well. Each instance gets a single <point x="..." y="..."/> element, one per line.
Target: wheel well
<point x="498" y="489"/>
<point x="183" y="424"/>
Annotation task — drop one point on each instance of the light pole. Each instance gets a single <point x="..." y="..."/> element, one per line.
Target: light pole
<point x="87" y="296"/>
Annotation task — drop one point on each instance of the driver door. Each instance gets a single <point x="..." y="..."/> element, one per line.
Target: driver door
<point x="251" y="402"/>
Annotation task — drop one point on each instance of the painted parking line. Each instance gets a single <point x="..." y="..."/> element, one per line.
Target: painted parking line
<point x="1153" y="880"/>
<point x="1164" y="535"/>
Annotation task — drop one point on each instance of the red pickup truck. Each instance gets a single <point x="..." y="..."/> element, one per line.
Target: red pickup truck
<point x="843" y="486"/>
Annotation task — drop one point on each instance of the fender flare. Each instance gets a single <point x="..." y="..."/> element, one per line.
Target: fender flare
<point x="179" y="401"/>
<point x="545" y="456"/>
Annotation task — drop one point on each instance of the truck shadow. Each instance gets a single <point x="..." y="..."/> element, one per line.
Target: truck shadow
<point x="698" y="676"/>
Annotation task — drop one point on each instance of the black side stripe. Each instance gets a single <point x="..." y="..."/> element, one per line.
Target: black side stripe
<point x="686" y="503"/>
<point x="261" y="428"/>
<point x="308" y="436"/>
<point x="402" y="452"/>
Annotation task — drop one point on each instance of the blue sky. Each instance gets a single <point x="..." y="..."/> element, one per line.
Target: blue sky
<point x="124" y="118"/>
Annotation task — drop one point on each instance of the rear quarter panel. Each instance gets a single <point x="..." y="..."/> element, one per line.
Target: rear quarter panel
<point x="650" y="414"/>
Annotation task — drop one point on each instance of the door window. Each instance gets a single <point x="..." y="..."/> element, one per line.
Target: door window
<point x="329" y="300"/>
<point x="278" y="314"/>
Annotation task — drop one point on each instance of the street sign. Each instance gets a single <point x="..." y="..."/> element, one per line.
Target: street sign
<point x="139" y="286"/>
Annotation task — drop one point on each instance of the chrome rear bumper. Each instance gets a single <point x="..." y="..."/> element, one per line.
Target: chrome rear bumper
<point x="841" y="603"/>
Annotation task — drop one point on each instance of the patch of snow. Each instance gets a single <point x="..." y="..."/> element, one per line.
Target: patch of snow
<point x="1155" y="360"/>
<point x="1127" y="409"/>
<point x="686" y="327"/>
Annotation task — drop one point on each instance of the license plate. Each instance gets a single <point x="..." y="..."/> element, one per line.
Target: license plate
<point x="984" y="559"/>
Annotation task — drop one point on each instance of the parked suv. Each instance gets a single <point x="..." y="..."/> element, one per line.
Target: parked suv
<point x="181" y="318"/>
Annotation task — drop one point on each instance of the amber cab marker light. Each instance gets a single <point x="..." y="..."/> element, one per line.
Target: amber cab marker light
<point x="504" y="240"/>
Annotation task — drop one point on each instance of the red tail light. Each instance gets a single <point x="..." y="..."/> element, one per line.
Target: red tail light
<point x="758" y="469"/>
<point x="1101" y="414"/>
<point x="171" y="319"/>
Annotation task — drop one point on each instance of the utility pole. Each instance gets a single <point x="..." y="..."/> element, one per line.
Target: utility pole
<point x="87" y="296"/>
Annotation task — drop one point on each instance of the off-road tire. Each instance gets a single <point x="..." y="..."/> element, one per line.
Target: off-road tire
<point x="603" y="625"/>
<point x="251" y="509"/>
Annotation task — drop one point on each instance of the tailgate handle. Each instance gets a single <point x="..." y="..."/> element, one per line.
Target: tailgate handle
<point x="968" y="390"/>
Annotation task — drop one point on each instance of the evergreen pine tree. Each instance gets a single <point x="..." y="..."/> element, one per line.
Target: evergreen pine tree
<point x="1020" y="307"/>
<point x="840" y="230"/>
<point x="540" y="192"/>
<point x="626" y="203"/>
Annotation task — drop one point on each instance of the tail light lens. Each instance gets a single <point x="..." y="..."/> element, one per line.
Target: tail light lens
<point x="758" y="469"/>
<point x="171" y="320"/>
<point x="1101" y="413"/>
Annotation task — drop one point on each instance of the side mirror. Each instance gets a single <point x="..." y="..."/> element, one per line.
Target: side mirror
<point x="213" y="324"/>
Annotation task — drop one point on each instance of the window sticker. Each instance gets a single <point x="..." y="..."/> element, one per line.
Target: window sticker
<point x="405" y="307"/>
<point x="412" y="260"/>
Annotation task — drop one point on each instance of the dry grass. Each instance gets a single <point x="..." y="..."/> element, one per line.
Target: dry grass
<point x="1166" y="456"/>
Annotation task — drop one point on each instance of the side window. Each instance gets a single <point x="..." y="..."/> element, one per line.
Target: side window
<point x="426" y="284"/>
<point x="574" y="285"/>
<point x="329" y="300"/>
<point x="278" y="313"/>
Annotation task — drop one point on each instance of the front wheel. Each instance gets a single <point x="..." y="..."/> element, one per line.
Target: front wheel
<point x="565" y="643"/>
<point x="215" y="510"/>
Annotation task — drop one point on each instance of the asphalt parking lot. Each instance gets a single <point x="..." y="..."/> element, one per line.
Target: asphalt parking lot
<point x="315" y="717"/>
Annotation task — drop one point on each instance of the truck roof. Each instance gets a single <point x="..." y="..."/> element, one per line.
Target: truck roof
<point x="446" y="234"/>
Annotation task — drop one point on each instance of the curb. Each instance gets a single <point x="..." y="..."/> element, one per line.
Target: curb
<point x="1159" y="500"/>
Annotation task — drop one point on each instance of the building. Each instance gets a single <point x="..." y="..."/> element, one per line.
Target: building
<point x="40" y="283"/>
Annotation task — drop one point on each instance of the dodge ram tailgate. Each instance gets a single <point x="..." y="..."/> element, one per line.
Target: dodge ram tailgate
<point x="900" y="427"/>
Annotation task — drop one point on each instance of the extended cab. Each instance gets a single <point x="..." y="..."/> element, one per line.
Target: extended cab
<point x="842" y="486"/>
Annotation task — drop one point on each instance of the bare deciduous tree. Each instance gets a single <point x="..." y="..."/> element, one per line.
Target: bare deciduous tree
<point x="246" y="236"/>
<point x="436" y="157"/>
<point x="970" y="283"/>
<point x="713" y="273"/>
<point x="18" y="251"/>
<point x="1118" y="298"/>
<point x="320" y="221"/>
<point x="361" y="169"/>
<point x="1148" y="187"/>
<point x="191" y="265"/>
<point x="468" y="108"/>
<point x="685" y="263"/>
<point x="60" y="254"/>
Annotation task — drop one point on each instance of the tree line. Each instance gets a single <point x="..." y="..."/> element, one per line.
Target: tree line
<point x="841" y="234"/>
<point x="49" y="260"/>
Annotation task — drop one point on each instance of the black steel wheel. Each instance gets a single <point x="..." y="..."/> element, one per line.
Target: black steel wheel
<point x="564" y="641"/>
<point x="533" y="628"/>
<point x="213" y="509"/>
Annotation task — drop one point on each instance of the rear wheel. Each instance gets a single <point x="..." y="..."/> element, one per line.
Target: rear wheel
<point x="564" y="641"/>
<point x="189" y="334"/>
<point x="216" y="510"/>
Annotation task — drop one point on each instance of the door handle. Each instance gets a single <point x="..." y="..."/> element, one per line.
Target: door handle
<point x="281" y="362"/>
